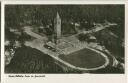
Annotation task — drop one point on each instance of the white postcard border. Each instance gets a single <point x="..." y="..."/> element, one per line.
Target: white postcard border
<point x="64" y="78"/>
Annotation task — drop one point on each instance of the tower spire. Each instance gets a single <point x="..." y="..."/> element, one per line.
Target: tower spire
<point x="57" y="27"/>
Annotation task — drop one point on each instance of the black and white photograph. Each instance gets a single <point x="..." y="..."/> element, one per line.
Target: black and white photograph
<point x="64" y="39"/>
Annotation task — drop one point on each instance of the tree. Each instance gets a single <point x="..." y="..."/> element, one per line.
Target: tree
<point x="29" y="60"/>
<point x="83" y="37"/>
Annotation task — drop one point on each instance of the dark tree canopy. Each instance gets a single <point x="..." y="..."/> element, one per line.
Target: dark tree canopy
<point x="29" y="60"/>
<point x="17" y="15"/>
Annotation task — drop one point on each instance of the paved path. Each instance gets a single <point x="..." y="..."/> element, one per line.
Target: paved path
<point x="98" y="28"/>
<point x="38" y="44"/>
<point x="28" y="30"/>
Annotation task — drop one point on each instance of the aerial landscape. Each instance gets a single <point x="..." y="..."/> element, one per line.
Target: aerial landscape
<point x="64" y="39"/>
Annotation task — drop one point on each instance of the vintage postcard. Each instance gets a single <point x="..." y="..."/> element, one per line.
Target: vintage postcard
<point x="64" y="41"/>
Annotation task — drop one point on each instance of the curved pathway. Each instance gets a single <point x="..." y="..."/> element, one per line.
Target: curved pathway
<point x="38" y="44"/>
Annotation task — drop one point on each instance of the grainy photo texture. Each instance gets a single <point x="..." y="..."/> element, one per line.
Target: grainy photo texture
<point x="64" y="39"/>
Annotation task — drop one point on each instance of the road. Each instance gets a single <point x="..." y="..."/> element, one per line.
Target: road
<point x="28" y="30"/>
<point x="98" y="28"/>
<point x="38" y="43"/>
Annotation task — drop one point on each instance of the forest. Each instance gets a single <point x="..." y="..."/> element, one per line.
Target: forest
<point x="21" y="15"/>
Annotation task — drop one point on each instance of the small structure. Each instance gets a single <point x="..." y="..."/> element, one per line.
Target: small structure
<point x="15" y="31"/>
<point x="7" y="42"/>
<point x="92" y="39"/>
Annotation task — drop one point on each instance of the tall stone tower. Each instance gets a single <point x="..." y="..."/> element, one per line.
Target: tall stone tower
<point x="57" y="28"/>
